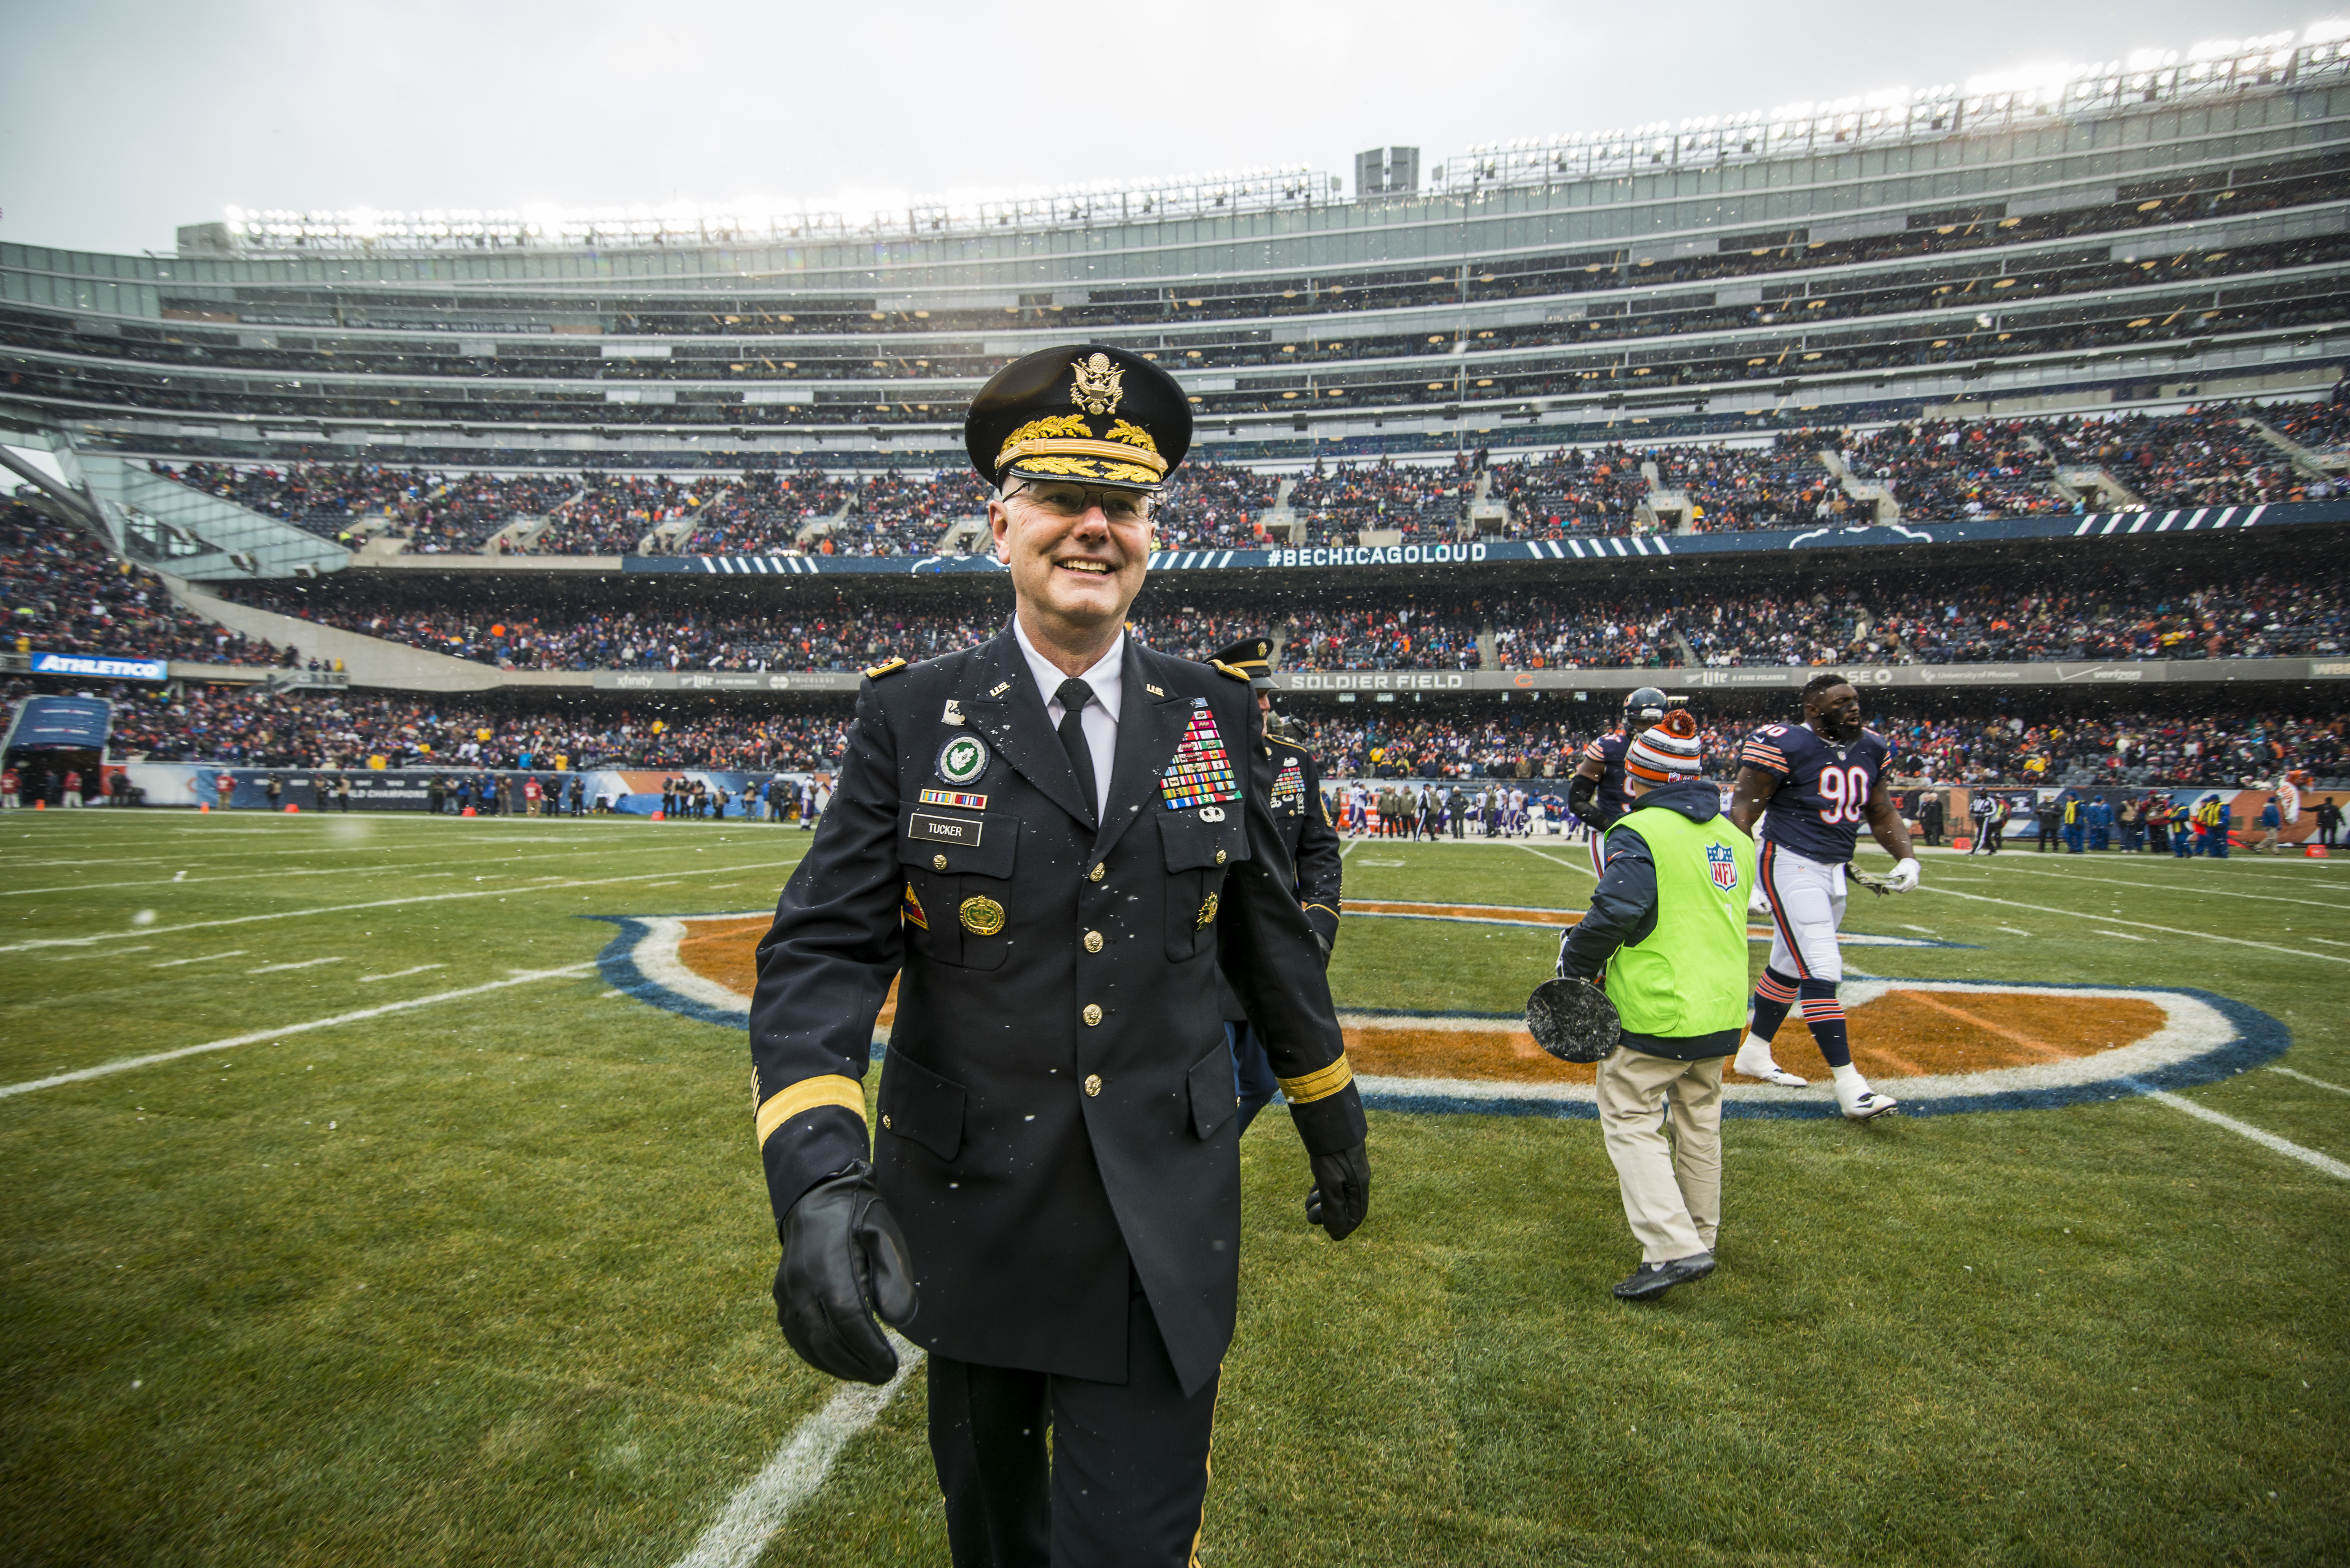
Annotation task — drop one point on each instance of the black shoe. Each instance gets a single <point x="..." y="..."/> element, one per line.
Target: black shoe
<point x="1651" y="1281"/>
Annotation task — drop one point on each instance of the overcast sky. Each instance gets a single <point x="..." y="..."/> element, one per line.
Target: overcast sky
<point x="119" y="122"/>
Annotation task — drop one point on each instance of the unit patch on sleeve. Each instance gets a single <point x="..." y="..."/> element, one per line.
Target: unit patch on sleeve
<point x="1202" y="772"/>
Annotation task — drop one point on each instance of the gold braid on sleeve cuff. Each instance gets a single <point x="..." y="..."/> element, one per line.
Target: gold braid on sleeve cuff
<point x="832" y="1089"/>
<point x="1318" y="1085"/>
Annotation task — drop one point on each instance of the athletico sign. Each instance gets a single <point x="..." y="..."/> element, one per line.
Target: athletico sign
<point x="101" y="667"/>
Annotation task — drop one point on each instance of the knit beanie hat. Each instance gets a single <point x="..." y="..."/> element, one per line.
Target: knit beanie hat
<point x="1666" y="751"/>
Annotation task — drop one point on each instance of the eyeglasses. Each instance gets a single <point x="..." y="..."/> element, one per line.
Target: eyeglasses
<point x="1071" y="502"/>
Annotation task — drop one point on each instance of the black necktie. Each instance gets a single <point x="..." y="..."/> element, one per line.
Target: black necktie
<point x="1072" y="697"/>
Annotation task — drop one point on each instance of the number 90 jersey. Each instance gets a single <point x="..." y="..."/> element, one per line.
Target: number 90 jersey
<point x="1822" y="796"/>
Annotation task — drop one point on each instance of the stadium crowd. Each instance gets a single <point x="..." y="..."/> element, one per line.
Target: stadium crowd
<point x="1936" y="471"/>
<point x="2058" y="747"/>
<point x="2099" y="614"/>
<point x="343" y="729"/>
<point x="67" y="593"/>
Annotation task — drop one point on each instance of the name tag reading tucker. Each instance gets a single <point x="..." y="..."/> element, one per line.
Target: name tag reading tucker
<point x="933" y="828"/>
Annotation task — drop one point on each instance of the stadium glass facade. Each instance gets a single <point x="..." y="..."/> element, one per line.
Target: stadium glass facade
<point x="2129" y="239"/>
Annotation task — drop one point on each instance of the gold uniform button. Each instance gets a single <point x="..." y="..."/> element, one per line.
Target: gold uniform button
<point x="1093" y="942"/>
<point x="938" y="862"/>
<point x="1093" y="1084"/>
<point x="1095" y="874"/>
<point x="1093" y="1012"/>
<point x="1219" y="857"/>
<point x="885" y="1120"/>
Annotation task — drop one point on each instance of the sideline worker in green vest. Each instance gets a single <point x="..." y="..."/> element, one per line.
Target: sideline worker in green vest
<point x="1668" y="928"/>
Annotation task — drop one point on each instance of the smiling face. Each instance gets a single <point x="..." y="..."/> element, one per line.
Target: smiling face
<point x="1077" y="558"/>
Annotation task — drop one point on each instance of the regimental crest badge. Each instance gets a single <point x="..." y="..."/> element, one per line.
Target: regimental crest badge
<point x="1098" y="386"/>
<point x="1723" y="862"/>
<point x="962" y="759"/>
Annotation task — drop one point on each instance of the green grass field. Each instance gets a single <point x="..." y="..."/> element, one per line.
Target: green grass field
<point x="484" y="1281"/>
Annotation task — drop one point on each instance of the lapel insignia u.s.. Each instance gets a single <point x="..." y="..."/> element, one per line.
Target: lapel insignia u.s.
<point x="962" y="759"/>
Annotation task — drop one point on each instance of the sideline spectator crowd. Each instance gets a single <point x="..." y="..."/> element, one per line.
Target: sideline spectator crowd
<point x="343" y="729"/>
<point x="2022" y="746"/>
<point x="2053" y="747"/>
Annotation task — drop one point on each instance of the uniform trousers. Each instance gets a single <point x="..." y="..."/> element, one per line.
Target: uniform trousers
<point x="1672" y="1191"/>
<point x="1125" y="1478"/>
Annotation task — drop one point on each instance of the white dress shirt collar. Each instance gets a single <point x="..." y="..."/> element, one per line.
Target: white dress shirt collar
<point x="1106" y="675"/>
<point x="1099" y="721"/>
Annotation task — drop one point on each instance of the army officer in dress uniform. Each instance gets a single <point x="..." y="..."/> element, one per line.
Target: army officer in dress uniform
<point x="1053" y="842"/>
<point x="1293" y="784"/>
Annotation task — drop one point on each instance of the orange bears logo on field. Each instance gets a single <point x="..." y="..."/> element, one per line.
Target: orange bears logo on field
<point x="1944" y="1046"/>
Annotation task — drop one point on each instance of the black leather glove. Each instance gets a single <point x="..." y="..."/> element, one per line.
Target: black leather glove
<point x="844" y="1260"/>
<point x="1341" y="1194"/>
<point x="1581" y="799"/>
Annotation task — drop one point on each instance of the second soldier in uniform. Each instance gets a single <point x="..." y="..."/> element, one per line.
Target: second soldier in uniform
<point x="1293" y="785"/>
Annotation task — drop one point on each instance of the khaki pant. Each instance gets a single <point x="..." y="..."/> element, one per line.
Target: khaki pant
<point x="1672" y="1192"/>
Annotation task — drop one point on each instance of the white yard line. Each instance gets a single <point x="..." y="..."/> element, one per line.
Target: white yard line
<point x="750" y="1517"/>
<point x="2118" y="936"/>
<point x="2115" y="920"/>
<point x="1351" y="843"/>
<point x="208" y="958"/>
<point x="2337" y="905"/>
<point x="2305" y="1078"/>
<point x="399" y="870"/>
<point x="400" y="973"/>
<point x="262" y="1036"/>
<point x="370" y="904"/>
<point x="281" y="967"/>
<point x="1555" y="860"/>
<point x="2308" y="1157"/>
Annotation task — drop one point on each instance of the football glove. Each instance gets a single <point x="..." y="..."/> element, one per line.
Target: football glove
<point x="1905" y="875"/>
<point x="843" y="1260"/>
